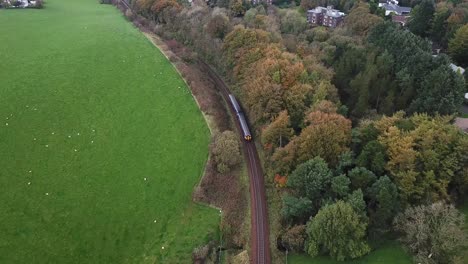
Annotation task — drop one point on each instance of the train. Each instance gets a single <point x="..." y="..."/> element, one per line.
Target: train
<point x="240" y="115"/>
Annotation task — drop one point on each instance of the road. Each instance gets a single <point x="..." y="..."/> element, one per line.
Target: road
<point x="259" y="216"/>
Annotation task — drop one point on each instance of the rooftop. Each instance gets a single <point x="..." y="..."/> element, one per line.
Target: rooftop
<point x="329" y="11"/>
<point x="396" y="8"/>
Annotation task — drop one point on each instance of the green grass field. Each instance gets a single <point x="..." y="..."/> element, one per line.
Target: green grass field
<point x="389" y="253"/>
<point x="101" y="142"/>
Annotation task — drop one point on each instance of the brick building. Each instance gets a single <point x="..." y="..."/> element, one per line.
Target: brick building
<point x="327" y="17"/>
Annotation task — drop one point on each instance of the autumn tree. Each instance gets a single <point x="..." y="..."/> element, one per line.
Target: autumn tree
<point x="401" y="164"/>
<point x="458" y="46"/>
<point x="241" y="47"/>
<point x="278" y="132"/>
<point x="237" y="7"/>
<point x="218" y="25"/>
<point x="256" y="17"/>
<point x="424" y="155"/>
<point x="360" y="20"/>
<point x="226" y="152"/>
<point x="339" y="231"/>
<point x="294" y="238"/>
<point x="327" y="136"/>
<point x="433" y="233"/>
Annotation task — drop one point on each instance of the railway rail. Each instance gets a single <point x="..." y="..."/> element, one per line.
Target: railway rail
<point x="259" y="216"/>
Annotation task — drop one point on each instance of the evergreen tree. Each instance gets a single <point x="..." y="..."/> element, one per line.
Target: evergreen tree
<point x="311" y="180"/>
<point x="421" y="18"/>
<point x="384" y="202"/>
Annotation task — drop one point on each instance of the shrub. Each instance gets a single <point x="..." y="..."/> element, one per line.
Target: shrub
<point x="294" y="238"/>
<point x="225" y="149"/>
<point x="129" y="14"/>
<point x="39" y="4"/>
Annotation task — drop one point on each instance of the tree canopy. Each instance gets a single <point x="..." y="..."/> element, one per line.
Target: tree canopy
<point x="339" y="230"/>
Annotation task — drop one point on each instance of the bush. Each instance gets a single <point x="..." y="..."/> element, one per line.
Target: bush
<point x="130" y="15"/>
<point x="294" y="238"/>
<point x="39" y="4"/>
<point x="225" y="149"/>
<point x="105" y="1"/>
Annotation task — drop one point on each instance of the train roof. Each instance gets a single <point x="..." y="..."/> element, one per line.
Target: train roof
<point x="235" y="104"/>
<point x="244" y="126"/>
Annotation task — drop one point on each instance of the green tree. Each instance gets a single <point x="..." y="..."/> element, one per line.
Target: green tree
<point x="292" y="22"/>
<point x="345" y="162"/>
<point x="440" y="92"/>
<point x="340" y="186"/>
<point x="311" y="179"/>
<point x="421" y="18"/>
<point x="433" y="233"/>
<point x="338" y="230"/>
<point x="356" y="200"/>
<point x="373" y="157"/>
<point x="361" y="178"/>
<point x="458" y="46"/>
<point x="296" y="208"/>
<point x="384" y="203"/>
<point x="439" y="25"/>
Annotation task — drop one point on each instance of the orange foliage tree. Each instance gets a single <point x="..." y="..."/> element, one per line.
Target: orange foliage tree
<point x="328" y="135"/>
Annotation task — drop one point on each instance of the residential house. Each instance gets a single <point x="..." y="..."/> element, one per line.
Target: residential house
<point x="395" y="9"/>
<point x="328" y="16"/>
<point x="268" y="2"/>
<point x="402" y="20"/>
<point x="400" y="14"/>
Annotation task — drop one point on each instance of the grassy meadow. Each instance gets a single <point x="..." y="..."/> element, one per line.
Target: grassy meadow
<point x="101" y="142"/>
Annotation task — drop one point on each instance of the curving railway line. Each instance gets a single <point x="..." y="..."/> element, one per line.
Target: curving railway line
<point x="259" y="219"/>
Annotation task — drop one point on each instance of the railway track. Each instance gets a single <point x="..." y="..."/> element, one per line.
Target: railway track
<point x="259" y="218"/>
